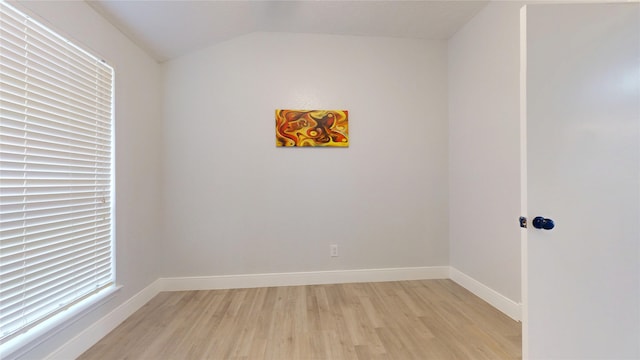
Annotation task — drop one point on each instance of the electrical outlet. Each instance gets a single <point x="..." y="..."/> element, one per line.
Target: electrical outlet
<point x="334" y="250"/>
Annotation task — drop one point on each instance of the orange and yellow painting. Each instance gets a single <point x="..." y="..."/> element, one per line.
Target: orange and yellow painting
<point x="312" y="128"/>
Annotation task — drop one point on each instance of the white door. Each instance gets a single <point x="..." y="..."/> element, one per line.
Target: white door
<point x="581" y="100"/>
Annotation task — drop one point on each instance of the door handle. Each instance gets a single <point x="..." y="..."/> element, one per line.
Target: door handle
<point x="541" y="223"/>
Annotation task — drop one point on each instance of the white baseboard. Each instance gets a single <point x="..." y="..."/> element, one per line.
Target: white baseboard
<point x="497" y="300"/>
<point x="91" y="335"/>
<point x="303" y="278"/>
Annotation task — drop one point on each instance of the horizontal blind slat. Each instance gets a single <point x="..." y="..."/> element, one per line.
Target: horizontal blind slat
<point x="16" y="120"/>
<point x="52" y="103"/>
<point x="98" y="119"/>
<point x="54" y="208"/>
<point x="48" y="155"/>
<point x="51" y="195"/>
<point x="73" y="164"/>
<point x="13" y="101"/>
<point x="14" y="291"/>
<point x="12" y="145"/>
<point x="13" y="77"/>
<point x="13" y="131"/>
<point x="23" y="23"/>
<point x="51" y="56"/>
<point x="12" y="329"/>
<point x="27" y="220"/>
<point x="22" y="249"/>
<point x="77" y="225"/>
<point x="38" y="202"/>
<point x="56" y="294"/>
<point x="14" y="60"/>
<point x="53" y="225"/>
<point x="50" y="241"/>
<point x="90" y="254"/>
<point x="12" y="73"/>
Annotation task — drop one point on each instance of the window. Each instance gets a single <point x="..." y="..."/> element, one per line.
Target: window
<point x="56" y="243"/>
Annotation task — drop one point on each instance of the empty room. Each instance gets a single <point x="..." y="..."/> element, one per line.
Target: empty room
<point x="319" y="180"/>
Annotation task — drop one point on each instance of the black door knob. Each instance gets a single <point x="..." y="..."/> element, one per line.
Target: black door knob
<point x="541" y="223"/>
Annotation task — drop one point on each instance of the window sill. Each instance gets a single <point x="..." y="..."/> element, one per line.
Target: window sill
<point x="25" y="342"/>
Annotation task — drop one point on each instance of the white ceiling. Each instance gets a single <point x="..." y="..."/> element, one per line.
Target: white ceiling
<point x="169" y="29"/>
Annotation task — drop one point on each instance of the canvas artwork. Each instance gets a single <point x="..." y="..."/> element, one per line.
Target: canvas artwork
<point x="312" y="128"/>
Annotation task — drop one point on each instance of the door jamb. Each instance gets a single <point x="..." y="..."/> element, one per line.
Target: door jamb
<point x="523" y="182"/>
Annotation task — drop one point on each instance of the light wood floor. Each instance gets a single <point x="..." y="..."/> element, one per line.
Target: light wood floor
<point x="428" y="319"/>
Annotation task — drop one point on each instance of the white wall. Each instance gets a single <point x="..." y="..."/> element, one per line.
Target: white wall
<point x="138" y="162"/>
<point x="484" y="148"/>
<point x="236" y="204"/>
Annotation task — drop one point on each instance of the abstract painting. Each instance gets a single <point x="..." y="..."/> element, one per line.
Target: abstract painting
<point x="312" y="128"/>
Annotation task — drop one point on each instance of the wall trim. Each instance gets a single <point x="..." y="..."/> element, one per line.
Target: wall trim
<point x="73" y="348"/>
<point x="303" y="278"/>
<point x="509" y="307"/>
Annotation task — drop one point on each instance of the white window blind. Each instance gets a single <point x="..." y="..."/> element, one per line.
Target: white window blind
<point x="56" y="244"/>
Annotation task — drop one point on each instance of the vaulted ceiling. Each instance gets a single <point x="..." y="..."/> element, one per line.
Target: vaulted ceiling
<point x="170" y="29"/>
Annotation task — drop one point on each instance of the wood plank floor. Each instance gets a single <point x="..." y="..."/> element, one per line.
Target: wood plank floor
<point x="427" y="319"/>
